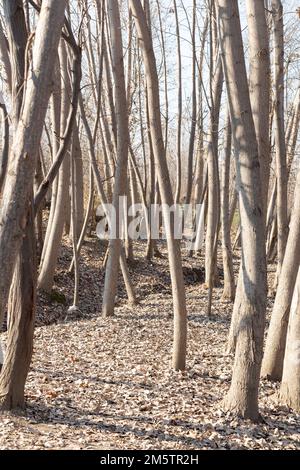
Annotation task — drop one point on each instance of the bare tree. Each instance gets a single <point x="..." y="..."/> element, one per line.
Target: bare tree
<point x="180" y="314"/>
<point x="16" y="213"/>
<point x="276" y="340"/>
<point x="242" y="398"/>
<point x="290" y="387"/>
<point x="281" y="164"/>
<point x="229" y="281"/>
<point x="260" y="85"/>
<point x="120" y="189"/>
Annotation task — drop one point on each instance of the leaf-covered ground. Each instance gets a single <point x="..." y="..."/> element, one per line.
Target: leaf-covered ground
<point x="107" y="384"/>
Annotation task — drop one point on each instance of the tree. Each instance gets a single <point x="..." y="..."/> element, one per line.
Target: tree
<point x="260" y="85"/>
<point x="213" y="210"/>
<point x="60" y="209"/>
<point x="180" y="314"/>
<point x="242" y="399"/>
<point x="290" y="386"/>
<point x="281" y="164"/>
<point x="276" y="340"/>
<point x="120" y="188"/>
<point x="229" y="281"/>
<point x="16" y="213"/>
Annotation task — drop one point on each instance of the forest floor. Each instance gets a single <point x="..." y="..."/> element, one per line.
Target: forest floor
<point x="107" y="384"/>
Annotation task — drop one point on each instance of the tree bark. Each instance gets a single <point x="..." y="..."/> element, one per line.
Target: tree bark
<point x="281" y="164"/>
<point x="51" y="250"/>
<point x="19" y="181"/>
<point x="21" y="323"/>
<point x="290" y="387"/>
<point x="260" y="85"/>
<point x="179" y="116"/>
<point x="120" y="189"/>
<point x="5" y="148"/>
<point x="276" y="339"/>
<point x="17" y="38"/>
<point x="229" y="282"/>
<point x="242" y="398"/>
<point x="194" y="112"/>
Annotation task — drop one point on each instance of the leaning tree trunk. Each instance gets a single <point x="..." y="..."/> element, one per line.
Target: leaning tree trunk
<point x="290" y="387"/>
<point x="180" y="314"/>
<point x="17" y="38"/>
<point x="242" y="399"/>
<point x="55" y="230"/>
<point x="16" y="211"/>
<point x="276" y="339"/>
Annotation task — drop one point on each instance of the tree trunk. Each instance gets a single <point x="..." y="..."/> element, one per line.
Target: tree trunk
<point x="229" y="283"/>
<point x="17" y="37"/>
<point x="78" y="181"/>
<point x="276" y="339"/>
<point x="5" y="147"/>
<point x="260" y="85"/>
<point x="21" y="323"/>
<point x="51" y="250"/>
<point x="179" y="117"/>
<point x="193" y="112"/>
<point x="17" y="219"/>
<point x="213" y="213"/>
<point x="4" y="58"/>
<point x="120" y="189"/>
<point x="290" y="387"/>
<point x="242" y="399"/>
<point x="180" y="314"/>
<point x="281" y="164"/>
<point x="18" y="186"/>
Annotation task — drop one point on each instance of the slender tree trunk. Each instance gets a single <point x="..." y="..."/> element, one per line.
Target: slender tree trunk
<point x="51" y="251"/>
<point x="179" y="117"/>
<point x="229" y="282"/>
<point x="281" y="164"/>
<point x="74" y="307"/>
<point x="120" y="190"/>
<point x="5" y="147"/>
<point x="194" y="111"/>
<point x="180" y="314"/>
<point x="213" y="213"/>
<point x="78" y="181"/>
